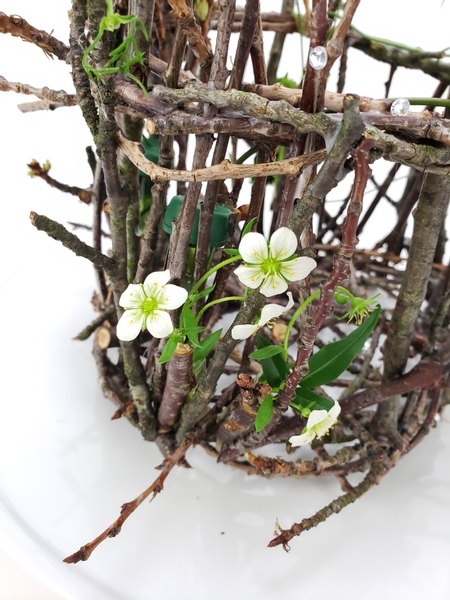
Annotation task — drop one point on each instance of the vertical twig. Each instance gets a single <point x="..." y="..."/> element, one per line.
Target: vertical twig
<point x="433" y="202"/>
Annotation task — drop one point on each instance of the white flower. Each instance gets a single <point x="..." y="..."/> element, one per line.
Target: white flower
<point x="268" y="313"/>
<point x="147" y="305"/>
<point x="270" y="265"/>
<point x="319" y="422"/>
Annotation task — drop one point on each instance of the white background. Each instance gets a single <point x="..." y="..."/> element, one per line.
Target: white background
<point x="65" y="468"/>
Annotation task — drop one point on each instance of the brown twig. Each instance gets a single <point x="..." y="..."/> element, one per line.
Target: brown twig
<point x="69" y="240"/>
<point x="285" y="535"/>
<point x="156" y="487"/>
<point x="129" y="507"/>
<point x="92" y="327"/>
<point x="37" y="170"/>
<point x="53" y="97"/>
<point x="186" y="18"/>
<point x="224" y="170"/>
<point x="180" y="380"/>
<point x="18" y="27"/>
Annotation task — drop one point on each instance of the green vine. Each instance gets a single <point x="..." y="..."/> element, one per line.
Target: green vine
<point x="125" y="55"/>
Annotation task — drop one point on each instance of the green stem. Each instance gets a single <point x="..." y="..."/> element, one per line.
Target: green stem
<point x="202" y="280"/>
<point x="294" y="318"/>
<point x="218" y="301"/>
<point x="425" y="101"/>
<point x="253" y="150"/>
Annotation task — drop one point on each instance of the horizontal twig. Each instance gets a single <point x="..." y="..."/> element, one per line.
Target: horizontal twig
<point x="59" y="97"/>
<point x="18" y="27"/>
<point x="224" y="170"/>
<point x="37" y="170"/>
<point x="424" y="374"/>
<point x="371" y="479"/>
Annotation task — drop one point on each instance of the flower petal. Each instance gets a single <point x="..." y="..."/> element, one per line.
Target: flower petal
<point x="328" y="421"/>
<point x="159" y="277"/>
<point x="304" y="438"/>
<point x="242" y="332"/>
<point x="290" y="303"/>
<point x="132" y="297"/>
<point x="283" y="243"/>
<point x="253" y="248"/>
<point x="173" y="297"/>
<point x="130" y="325"/>
<point x="274" y="284"/>
<point x="316" y="417"/>
<point x="298" y="268"/>
<point x="270" y="312"/>
<point x="273" y="311"/>
<point x="159" y="324"/>
<point x="252" y="277"/>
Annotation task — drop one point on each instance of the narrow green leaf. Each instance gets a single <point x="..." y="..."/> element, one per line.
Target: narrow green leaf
<point x="264" y="414"/>
<point x="267" y="352"/>
<point x="202" y="294"/>
<point x="275" y="368"/>
<point x="207" y="345"/>
<point x="334" y="358"/>
<point x="190" y="324"/>
<point x="305" y="397"/>
<point x="169" y="349"/>
<point x="247" y="154"/>
<point x="232" y="251"/>
<point x="248" y="227"/>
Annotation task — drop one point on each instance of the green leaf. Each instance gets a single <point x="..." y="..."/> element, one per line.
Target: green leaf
<point x="305" y="397"/>
<point x="250" y="152"/>
<point x="334" y="358"/>
<point x="151" y="147"/>
<point x="275" y="368"/>
<point x="248" y="227"/>
<point x="267" y="352"/>
<point x="207" y="345"/>
<point x="287" y="82"/>
<point x="169" y="348"/>
<point x="231" y="251"/>
<point x="264" y="414"/>
<point x="201" y="294"/>
<point x="190" y="324"/>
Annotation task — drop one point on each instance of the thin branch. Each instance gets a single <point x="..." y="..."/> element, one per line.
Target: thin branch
<point x="37" y="170"/>
<point x="80" y="79"/>
<point x="56" y="97"/>
<point x="129" y="507"/>
<point x="430" y="63"/>
<point x="69" y="240"/>
<point x="277" y="45"/>
<point x="177" y="457"/>
<point x="424" y="375"/>
<point x="91" y="328"/>
<point x="186" y="18"/>
<point x="285" y="535"/>
<point x="18" y="27"/>
<point x="224" y="170"/>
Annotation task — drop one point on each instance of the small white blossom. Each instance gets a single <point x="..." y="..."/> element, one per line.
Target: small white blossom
<point x="319" y="422"/>
<point x="147" y="305"/>
<point x="270" y="265"/>
<point x="268" y="313"/>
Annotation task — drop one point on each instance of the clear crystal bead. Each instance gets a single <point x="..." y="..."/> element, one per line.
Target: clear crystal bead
<point x="400" y="107"/>
<point x="318" y="58"/>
